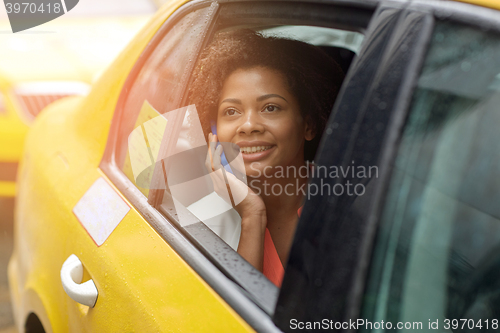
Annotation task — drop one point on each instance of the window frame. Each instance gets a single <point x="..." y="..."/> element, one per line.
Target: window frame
<point x="259" y="317"/>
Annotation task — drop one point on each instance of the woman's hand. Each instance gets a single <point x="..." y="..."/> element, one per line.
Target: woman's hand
<point x="248" y="204"/>
<point x="245" y="201"/>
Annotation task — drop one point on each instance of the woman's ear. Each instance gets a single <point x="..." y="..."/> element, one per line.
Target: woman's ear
<point x="310" y="132"/>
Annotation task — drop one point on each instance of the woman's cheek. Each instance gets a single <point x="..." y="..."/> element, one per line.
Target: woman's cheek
<point x="285" y="129"/>
<point x="223" y="132"/>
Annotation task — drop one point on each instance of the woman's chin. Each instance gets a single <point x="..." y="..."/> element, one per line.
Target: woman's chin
<point x="259" y="170"/>
<point x="254" y="173"/>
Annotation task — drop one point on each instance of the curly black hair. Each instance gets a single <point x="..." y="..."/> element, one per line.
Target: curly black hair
<point x="312" y="76"/>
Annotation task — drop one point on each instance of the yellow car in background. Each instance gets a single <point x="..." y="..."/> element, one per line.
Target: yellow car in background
<point x="58" y="59"/>
<point x="103" y="244"/>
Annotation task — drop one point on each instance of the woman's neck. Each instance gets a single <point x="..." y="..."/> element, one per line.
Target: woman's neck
<point x="281" y="212"/>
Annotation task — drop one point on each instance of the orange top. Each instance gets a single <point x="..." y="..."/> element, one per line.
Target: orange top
<point x="272" y="267"/>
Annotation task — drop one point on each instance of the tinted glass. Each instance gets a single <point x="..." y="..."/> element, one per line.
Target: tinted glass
<point x="437" y="254"/>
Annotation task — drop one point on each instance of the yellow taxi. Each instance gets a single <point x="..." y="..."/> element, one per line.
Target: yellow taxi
<point x="22" y="96"/>
<point x="104" y="243"/>
<point x="58" y="59"/>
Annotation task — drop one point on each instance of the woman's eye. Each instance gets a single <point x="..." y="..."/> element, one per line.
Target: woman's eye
<point x="271" y="108"/>
<point x="230" y="112"/>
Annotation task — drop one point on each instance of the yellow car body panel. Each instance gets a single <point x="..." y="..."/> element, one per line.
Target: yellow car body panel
<point x="54" y="175"/>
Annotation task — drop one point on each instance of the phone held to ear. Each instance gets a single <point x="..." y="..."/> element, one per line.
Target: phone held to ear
<point x="223" y="158"/>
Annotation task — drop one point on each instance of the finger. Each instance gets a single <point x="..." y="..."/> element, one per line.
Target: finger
<point x="220" y="186"/>
<point x="208" y="159"/>
<point x="216" y="158"/>
<point x="213" y="145"/>
<point x="220" y="168"/>
<point x="211" y="148"/>
<point x="239" y="190"/>
<point x="210" y="153"/>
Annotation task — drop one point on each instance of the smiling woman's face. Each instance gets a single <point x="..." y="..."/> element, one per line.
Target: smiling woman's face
<point x="258" y="113"/>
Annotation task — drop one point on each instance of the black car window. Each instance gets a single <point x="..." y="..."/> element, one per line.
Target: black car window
<point x="437" y="258"/>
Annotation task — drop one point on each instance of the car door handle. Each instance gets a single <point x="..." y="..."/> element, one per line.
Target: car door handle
<point x="71" y="277"/>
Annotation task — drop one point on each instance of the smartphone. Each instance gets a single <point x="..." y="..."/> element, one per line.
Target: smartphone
<point x="223" y="158"/>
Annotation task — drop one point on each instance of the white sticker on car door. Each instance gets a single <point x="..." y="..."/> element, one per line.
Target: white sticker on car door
<point x="100" y="210"/>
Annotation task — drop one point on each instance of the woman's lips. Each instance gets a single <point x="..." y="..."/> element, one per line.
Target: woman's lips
<point x="254" y="149"/>
<point x="256" y="156"/>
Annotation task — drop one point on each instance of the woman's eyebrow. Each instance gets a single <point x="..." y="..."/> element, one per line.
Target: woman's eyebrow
<point x="232" y="100"/>
<point x="263" y="97"/>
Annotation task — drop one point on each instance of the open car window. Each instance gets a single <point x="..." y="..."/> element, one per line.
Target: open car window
<point x="190" y="194"/>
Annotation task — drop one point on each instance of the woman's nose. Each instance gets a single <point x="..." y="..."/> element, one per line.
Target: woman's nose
<point x="251" y="123"/>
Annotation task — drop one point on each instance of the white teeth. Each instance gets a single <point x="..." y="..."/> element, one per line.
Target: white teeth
<point x="256" y="149"/>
